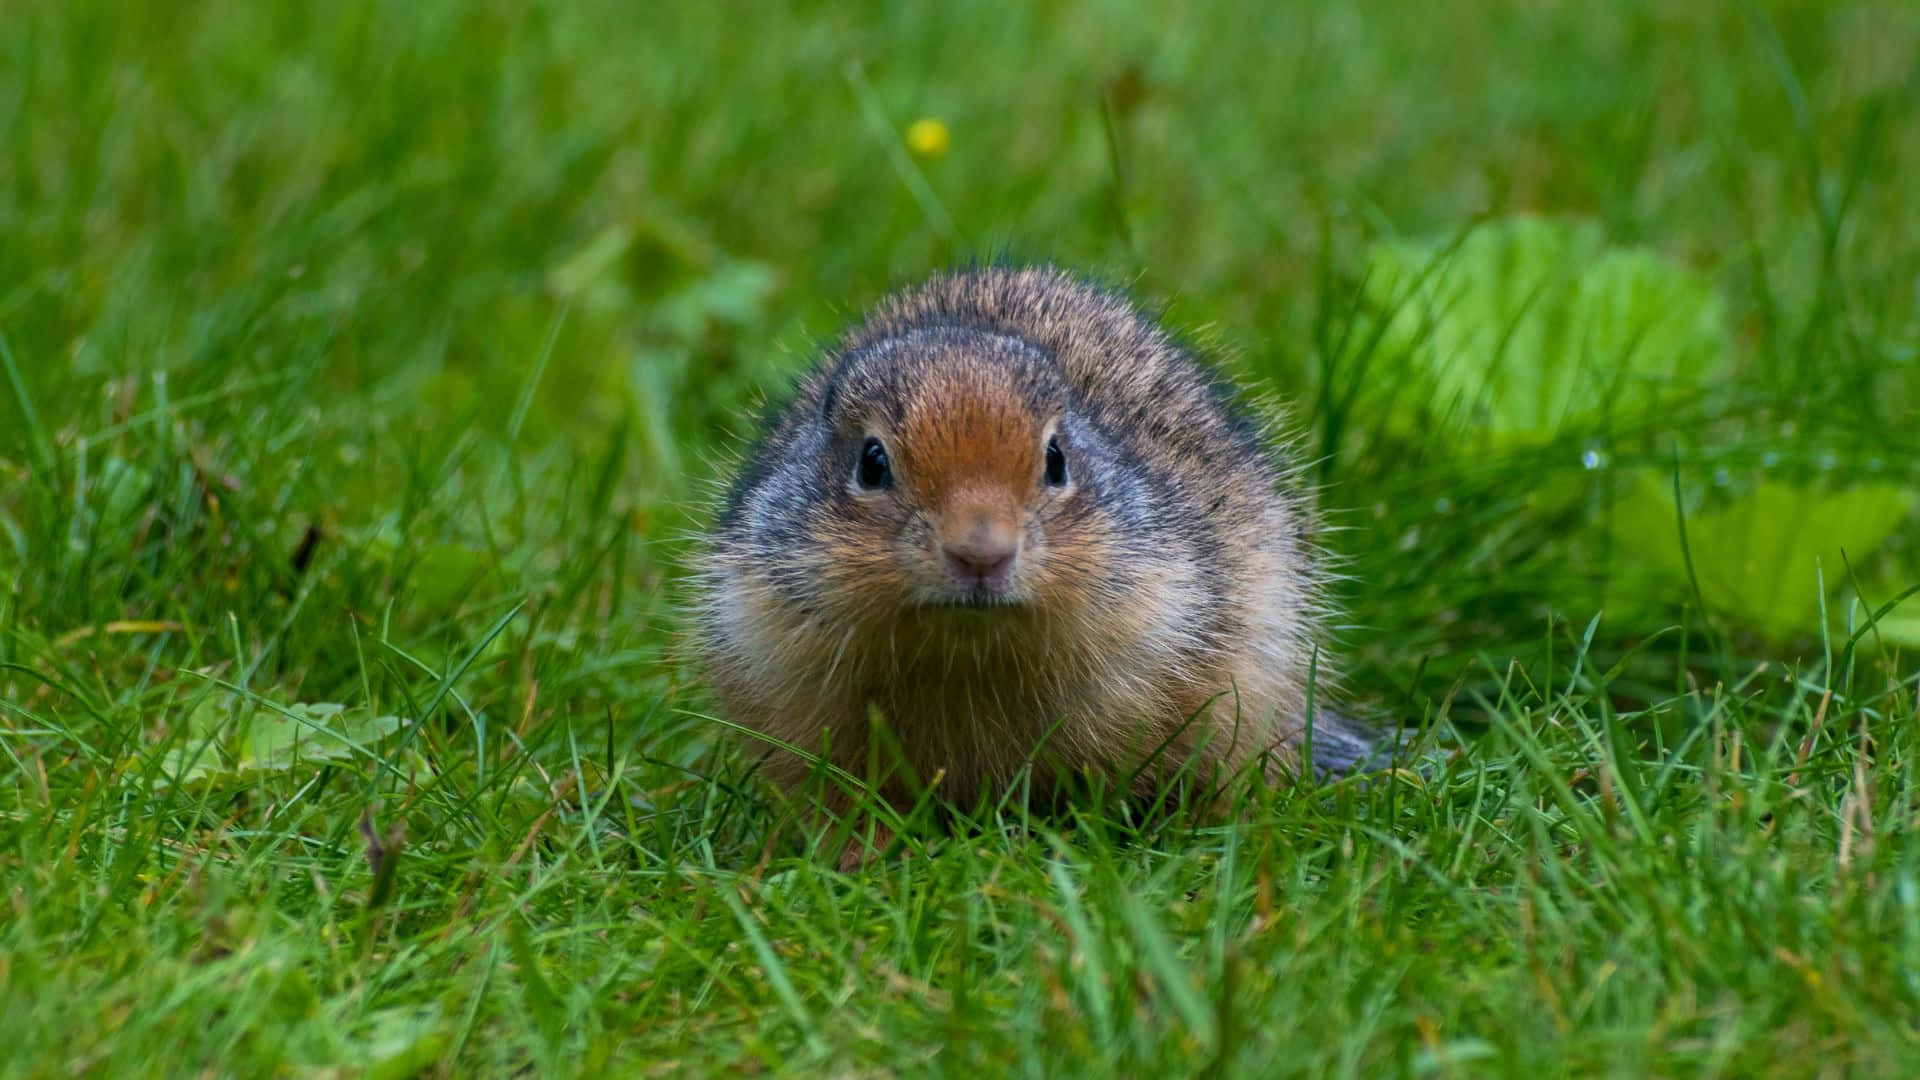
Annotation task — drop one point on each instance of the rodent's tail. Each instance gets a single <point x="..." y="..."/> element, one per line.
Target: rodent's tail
<point x="1341" y="746"/>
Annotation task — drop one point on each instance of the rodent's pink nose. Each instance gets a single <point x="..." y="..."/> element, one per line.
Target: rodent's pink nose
<point x="986" y="560"/>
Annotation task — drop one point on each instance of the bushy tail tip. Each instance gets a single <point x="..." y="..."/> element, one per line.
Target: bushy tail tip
<point x="1341" y="746"/>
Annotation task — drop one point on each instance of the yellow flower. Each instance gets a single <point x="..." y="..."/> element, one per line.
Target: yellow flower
<point x="928" y="139"/>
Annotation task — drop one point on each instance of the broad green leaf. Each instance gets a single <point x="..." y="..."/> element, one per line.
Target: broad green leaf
<point x="1761" y="557"/>
<point x="260" y="741"/>
<point x="1526" y="325"/>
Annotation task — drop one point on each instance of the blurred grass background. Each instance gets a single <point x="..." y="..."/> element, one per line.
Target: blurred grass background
<point x="379" y="355"/>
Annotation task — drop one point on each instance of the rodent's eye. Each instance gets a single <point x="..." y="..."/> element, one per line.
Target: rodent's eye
<point x="1056" y="464"/>
<point x="874" y="471"/>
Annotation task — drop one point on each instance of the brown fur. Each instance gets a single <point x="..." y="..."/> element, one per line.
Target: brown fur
<point x="1168" y="593"/>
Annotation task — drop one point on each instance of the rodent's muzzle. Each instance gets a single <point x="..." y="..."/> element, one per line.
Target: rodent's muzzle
<point x="980" y="545"/>
<point x="983" y="562"/>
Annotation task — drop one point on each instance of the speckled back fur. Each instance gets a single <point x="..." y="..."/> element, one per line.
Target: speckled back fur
<point x="1169" y="602"/>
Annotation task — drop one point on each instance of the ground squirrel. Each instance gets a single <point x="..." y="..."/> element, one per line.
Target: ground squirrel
<point x="1012" y="519"/>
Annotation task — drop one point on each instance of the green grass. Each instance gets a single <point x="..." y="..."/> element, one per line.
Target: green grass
<point x="380" y="356"/>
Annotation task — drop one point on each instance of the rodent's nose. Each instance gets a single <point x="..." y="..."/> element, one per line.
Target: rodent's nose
<point x="984" y="558"/>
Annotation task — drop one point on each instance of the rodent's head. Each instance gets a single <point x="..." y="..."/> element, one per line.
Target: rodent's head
<point x="955" y="466"/>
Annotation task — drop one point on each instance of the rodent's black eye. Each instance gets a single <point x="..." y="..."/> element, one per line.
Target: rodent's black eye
<point x="1056" y="464"/>
<point x="874" y="471"/>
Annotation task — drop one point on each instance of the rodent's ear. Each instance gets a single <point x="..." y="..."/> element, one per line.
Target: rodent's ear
<point x="847" y="388"/>
<point x="830" y="394"/>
